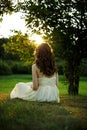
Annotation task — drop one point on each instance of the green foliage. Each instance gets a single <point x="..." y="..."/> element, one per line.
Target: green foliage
<point x="2" y="41"/>
<point x="20" y="45"/>
<point x="59" y="64"/>
<point x="21" y="68"/>
<point x="4" y="68"/>
<point x="83" y="67"/>
<point x="6" y="6"/>
<point x="14" y="67"/>
<point x="69" y="18"/>
<point x="6" y="55"/>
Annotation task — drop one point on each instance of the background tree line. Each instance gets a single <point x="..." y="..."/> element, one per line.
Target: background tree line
<point x="16" y="56"/>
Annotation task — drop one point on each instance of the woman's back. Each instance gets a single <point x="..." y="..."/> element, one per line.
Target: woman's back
<point x="45" y="81"/>
<point x="40" y="78"/>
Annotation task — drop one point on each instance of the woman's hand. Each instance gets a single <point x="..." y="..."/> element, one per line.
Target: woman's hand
<point x="33" y="87"/>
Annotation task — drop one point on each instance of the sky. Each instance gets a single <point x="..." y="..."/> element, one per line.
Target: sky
<point x="15" y="22"/>
<point x="12" y="22"/>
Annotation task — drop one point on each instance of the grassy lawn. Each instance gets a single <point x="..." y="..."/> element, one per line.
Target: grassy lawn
<point x="70" y="114"/>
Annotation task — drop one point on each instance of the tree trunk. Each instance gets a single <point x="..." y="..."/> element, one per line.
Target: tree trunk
<point x="74" y="84"/>
<point x="73" y="77"/>
<point x="77" y="77"/>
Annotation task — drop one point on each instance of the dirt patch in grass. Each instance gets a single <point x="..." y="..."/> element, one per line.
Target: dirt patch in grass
<point x="3" y="97"/>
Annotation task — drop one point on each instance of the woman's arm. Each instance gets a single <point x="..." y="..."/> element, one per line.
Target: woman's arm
<point x="57" y="78"/>
<point x="34" y="77"/>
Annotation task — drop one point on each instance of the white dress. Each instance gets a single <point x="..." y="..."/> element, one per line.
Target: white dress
<point x="46" y="92"/>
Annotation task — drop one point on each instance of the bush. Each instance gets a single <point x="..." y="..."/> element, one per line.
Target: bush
<point x="60" y="67"/>
<point x="5" y="68"/>
<point x="83" y="67"/>
<point x="60" y="70"/>
<point x="21" y="68"/>
<point x="14" y="67"/>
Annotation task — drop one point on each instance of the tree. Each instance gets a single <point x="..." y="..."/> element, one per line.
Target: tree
<point x="2" y="41"/>
<point x="5" y="55"/>
<point x="6" y="6"/>
<point x="67" y="20"/>
<point x="20" y="45"/>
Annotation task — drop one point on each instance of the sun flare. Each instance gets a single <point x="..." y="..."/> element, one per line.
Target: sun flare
<point x="37" y="38"/>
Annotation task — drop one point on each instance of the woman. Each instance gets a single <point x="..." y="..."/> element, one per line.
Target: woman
<point x="45" y="78"/>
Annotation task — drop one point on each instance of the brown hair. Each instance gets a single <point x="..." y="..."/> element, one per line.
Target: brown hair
<point x="45" y="60"/>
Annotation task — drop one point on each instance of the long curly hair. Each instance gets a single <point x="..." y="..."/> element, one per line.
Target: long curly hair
<point x="45" y="59"/>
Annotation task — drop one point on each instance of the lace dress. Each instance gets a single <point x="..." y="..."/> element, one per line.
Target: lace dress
<point x="46" y="92"/>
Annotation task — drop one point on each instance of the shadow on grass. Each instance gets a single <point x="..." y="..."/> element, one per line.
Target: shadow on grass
<point x="23" y="115"/>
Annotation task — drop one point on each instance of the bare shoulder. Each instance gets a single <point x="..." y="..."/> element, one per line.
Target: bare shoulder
<point x="35" y="68"/>
<point x="34" y="65"/>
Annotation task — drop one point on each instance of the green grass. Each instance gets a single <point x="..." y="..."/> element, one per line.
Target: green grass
<point x="7" y="83"/>
<point x="70" y="114"/>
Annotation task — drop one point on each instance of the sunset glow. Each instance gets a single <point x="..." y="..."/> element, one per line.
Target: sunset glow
<point x="37" y="38"/>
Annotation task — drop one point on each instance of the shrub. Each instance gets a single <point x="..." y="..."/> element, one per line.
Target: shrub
<point x="21" y="68"/>
<point x="60" y="70"/>
<point x="14" y="67"/>
<point x="4" y="68"/>
<point x="60" y="67"/>
<point x="83" y="67"/>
